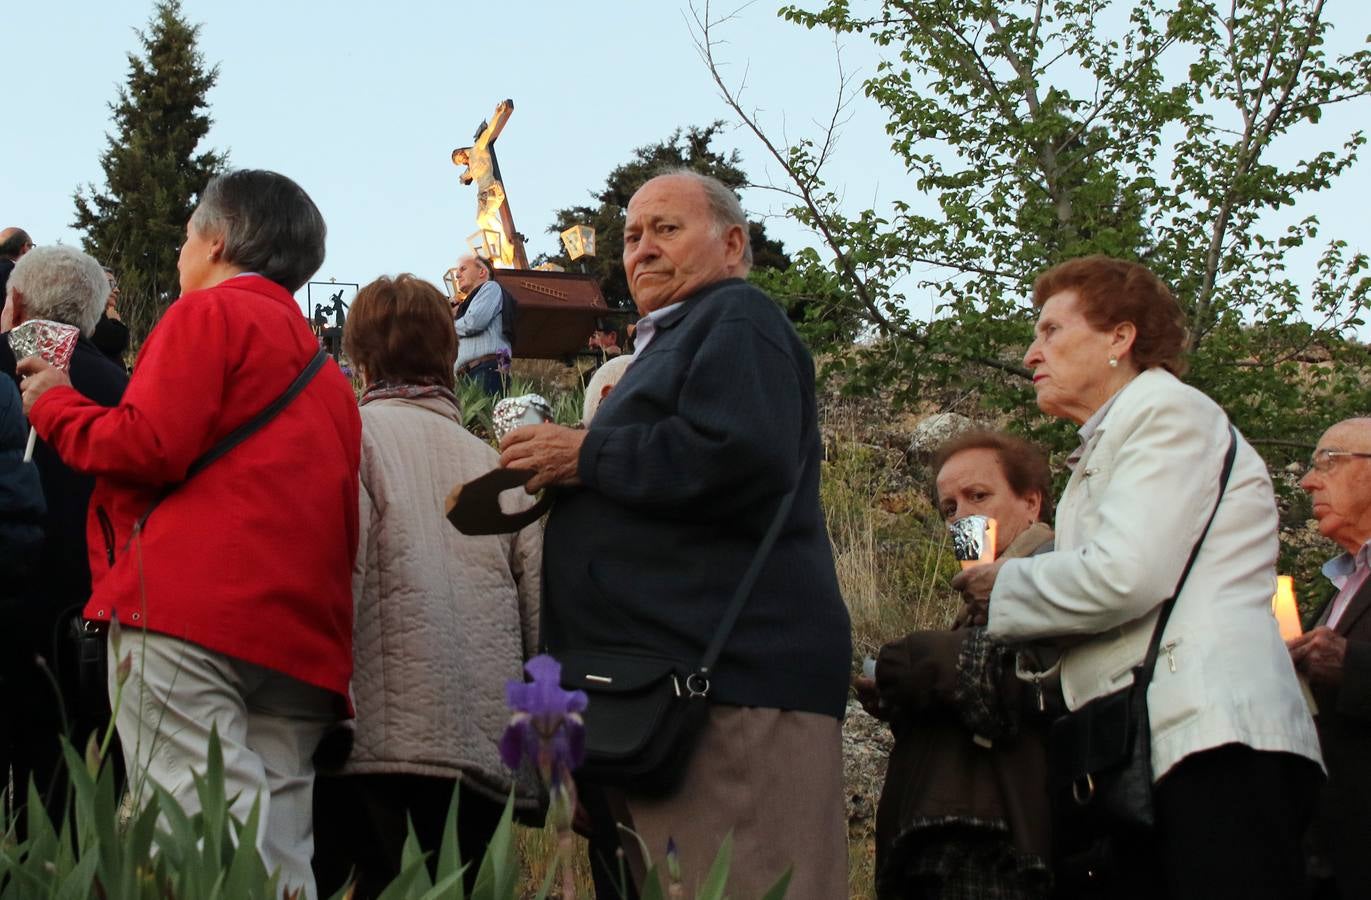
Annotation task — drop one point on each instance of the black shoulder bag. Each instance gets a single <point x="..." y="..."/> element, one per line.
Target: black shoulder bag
<point x="646" y="713"/>
<point x="1100" y="756"/>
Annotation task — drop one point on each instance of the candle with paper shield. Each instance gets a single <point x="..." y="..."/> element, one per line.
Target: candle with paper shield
<point x="53" y="341"/>
<point x="1286" y="611"/>
<point x="973" y="540"/>
<point x="512" y="412"/>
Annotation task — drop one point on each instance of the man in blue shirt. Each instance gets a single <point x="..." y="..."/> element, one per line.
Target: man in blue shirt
<point x="481" y="341"/>
<point x="1335" y="655"/>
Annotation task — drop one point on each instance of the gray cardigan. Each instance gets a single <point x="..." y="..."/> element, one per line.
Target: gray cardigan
<point x="682" y="471"/>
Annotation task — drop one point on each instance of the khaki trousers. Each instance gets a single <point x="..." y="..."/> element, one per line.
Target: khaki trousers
<point x="269" y="726"/>
<point x="775" y="780"/>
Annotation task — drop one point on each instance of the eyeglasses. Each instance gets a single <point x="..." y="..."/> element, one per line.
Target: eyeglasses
<point x="1323" y="460"/>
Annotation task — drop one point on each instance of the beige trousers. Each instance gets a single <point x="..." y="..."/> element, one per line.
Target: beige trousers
<point x="771" y="777"/>
<point x="269" y="726"/>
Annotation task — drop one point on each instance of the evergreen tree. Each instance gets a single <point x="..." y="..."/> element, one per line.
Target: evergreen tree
<point x="153" y="172"/>
<point x="689" y="149"/>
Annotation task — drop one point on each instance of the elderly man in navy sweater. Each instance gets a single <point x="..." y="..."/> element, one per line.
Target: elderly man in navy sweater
<point x="666" y="498"/>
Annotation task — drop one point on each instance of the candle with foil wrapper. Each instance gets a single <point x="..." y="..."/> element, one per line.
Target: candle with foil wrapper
<point x="53" y="342"/>
<point x="514" y="412"/>
<point x="973" y="540"/>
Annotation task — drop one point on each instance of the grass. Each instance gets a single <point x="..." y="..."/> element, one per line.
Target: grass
<point x="890" y="546"/>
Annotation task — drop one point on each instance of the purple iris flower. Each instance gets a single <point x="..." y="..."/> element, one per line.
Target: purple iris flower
<point x="546" y="727"/>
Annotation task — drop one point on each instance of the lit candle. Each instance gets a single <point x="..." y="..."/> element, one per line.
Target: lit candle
<point x="1283" y="606"/>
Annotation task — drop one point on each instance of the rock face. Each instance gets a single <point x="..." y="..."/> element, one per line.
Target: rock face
<point x="866" y="747"/>
<point x="932" y="432"/>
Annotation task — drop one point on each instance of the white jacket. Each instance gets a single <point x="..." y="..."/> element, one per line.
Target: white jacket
<point x="444" y="620"/>
<point x="1127" y="521"/>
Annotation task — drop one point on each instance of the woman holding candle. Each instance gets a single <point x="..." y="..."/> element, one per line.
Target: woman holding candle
<point x="964" y="808"/>
<point x="1234" y="756"/>
<point x="444" y="620"/>
<point x="239" y="580"/>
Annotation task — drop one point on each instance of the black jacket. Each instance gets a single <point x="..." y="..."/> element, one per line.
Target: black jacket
<point x="66" y="568"/>
<point x="683" y="470"/>
<point x="111" y="337"/>
<point x="21" y="497"/>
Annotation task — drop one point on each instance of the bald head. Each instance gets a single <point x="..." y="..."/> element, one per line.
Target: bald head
<point x="472" y="272"/>
<point x="14" y="243"/>
<point x="1350" y="431"/>
<point x="1339" y="483"/>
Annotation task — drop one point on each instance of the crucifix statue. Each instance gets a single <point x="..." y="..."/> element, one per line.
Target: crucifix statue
<point x="495" y="237"/>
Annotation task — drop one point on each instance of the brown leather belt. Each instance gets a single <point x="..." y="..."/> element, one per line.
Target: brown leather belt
<point x="470" y="364"/>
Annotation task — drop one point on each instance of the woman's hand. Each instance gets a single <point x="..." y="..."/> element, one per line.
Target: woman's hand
<point x="977" y="582"/>
<point x="870" y="697"/>
<point x="38" y="378"/>
<point x="974" y="614"/>
<point x="553" y="452"/>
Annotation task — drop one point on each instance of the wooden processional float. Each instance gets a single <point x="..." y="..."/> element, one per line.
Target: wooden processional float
<point x="557" y="311"/>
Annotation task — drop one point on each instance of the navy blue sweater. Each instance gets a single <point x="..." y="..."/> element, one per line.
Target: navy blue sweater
<point x="683" y="469"/>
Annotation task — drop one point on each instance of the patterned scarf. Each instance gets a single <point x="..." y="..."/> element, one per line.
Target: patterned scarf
<point x="393" y="390"/>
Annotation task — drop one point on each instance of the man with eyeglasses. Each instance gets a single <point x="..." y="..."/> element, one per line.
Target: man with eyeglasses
<point x="1336" y="654"/>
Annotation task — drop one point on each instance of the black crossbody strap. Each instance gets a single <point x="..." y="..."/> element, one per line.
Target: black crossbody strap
<point x="1150" y="661"/>
<point x="735" y="606"/>
<point x="242" y="432"/>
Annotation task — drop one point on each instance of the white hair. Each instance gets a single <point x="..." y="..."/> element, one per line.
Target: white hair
<point x="724" y="206"/>
<point x="62" y="284"/>
<point x="604" y="380"/>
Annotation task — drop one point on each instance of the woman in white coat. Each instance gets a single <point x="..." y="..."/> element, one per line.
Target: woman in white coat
<point x="1235" y="757"/>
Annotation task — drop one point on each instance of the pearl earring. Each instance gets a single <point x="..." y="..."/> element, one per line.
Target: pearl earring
<point x="1113" y="362"/>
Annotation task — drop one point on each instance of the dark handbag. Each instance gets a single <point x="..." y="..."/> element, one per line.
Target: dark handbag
<point x="1100" y="756"/>
<point x="645" y="713"/>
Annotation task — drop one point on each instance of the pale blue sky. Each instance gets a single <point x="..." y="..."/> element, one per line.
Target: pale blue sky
<point x="362" y="104"/>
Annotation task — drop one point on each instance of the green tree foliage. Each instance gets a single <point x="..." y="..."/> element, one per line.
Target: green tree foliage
<point x="1035" y="131"/>
<point x="153" y="172"/>
<point x="689" y="149"/>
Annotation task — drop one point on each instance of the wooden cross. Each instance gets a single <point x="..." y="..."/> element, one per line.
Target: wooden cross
<point x="492" y="205"/>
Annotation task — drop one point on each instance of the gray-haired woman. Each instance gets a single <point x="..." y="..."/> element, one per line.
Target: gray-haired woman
<point x="241" y="578"/>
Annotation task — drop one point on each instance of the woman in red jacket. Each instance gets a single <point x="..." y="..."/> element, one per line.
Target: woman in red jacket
<point x="239" y="580"/>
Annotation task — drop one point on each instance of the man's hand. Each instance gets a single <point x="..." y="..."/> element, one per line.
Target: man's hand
<point x="977" y="582"/>
<point x="38" y="378"/>
<point x="552" y="451"/>
<point x="1319" y="654"/>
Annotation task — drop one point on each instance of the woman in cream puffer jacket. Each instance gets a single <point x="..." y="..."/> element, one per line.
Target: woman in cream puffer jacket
<point x="444" y="620"/>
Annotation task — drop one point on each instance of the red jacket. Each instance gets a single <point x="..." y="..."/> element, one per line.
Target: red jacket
<point x="251" y="558"/>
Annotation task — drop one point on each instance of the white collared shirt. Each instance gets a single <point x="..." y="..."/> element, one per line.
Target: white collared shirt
<point x="647" y="328"/>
